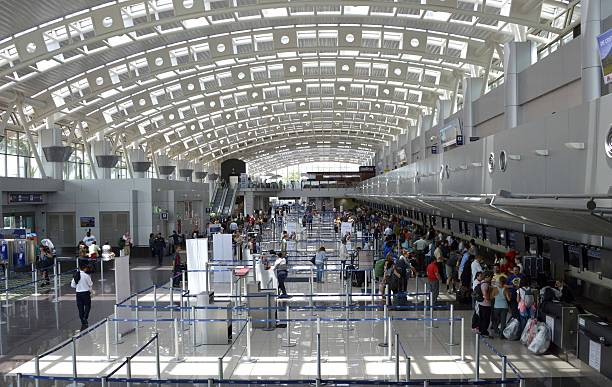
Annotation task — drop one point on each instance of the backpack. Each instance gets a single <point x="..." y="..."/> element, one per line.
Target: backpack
<point x="478" y="296"/>
<point x="121" y="243"/>
<point x="529" y="298"/>
<point x="402" y="266"/>
<point x="76" y="277"/>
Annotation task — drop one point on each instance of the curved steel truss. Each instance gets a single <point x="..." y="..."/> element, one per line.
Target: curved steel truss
<point x="263" y="80"/>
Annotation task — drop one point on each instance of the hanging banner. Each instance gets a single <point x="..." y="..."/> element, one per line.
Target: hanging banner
<point x="604" y="41"/>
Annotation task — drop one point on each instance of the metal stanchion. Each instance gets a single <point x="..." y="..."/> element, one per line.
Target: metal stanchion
<point x="137" y="312"/>
<point x="157" y="363"/>
<point x="373" y="285"/>
<point x="249" y="332"/>
<point x="417" y="296"/>
<point x="101" y="270"/>
<point x="35" y="279"/>
<point x="389" y="335"/>
<point x="128" y="367"/>
<point x="424" y="300"/>
<point x="504" y="367"/>
<point x="431" y="309"/>
<point x="311" y="280"/>
<point x="407" y="368"/>
<point x="182" y="312"/>
<point x="452" y="325"/>
<point x="18" y="380"/>
<point x="385" y="319"/>
<point x="193" y="327"/>
<point x="425" y="383"/>
<point x="268" y="326"/>
<point x="477" y="357"/>
<point x="55" y="284"/>
<point x="171" y="301"/>
<point x="177" y="348"/>
<point x="6" y="287"/>
<point x="318" y="359"/>
<point x="231" y="285"/>
<point x="36" y="368"/>
<point x="155" y="306"/>
<point x="183" y="282"/>
<point x="107" y="337"/>
<point x="74" y="359"/>
<point x="397" y="358"/>
<point x="220" y="364"/>
<point x="386" y="296"/>
<point x="288" y="342"/>
<point x="462" y="342"/>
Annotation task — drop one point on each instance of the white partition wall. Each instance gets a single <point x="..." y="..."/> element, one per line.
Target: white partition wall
<point x="222" y="251"/>
<point x="197" y="257"/>
<point x="123" y="290"/>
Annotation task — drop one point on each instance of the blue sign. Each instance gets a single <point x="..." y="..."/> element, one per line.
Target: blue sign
<point x="460" y="139"/>
<point x="604" y="42"/>
<point x="13" y="233"/>
<point x="4" y="251"/>
<point x="434" y="149"/>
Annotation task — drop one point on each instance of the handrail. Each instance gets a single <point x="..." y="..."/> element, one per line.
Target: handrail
<point x="130" y="357"/>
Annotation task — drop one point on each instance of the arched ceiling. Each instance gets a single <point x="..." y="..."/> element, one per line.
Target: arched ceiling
<point x="268" y="81"/>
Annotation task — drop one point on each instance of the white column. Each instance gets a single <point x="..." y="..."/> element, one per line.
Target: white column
<point x="590" y="28"/>
<point x="517" y="57"/>
<point x="471" y="92"/>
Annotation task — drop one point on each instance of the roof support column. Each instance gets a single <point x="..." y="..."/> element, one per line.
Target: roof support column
<point x="33" y="148"/>
<point x="591" y="66"/>
<point x="88" y="152"/>
<point x="517" y="57"/>
<point x="471" y="92"/>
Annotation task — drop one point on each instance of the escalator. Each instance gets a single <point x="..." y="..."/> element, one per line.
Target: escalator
<point x="218" y="199"/>
<point x="229" y="200"/>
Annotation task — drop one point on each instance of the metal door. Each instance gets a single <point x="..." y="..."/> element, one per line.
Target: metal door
<point x="112" y="226"/>
<point x="61" y="229"/>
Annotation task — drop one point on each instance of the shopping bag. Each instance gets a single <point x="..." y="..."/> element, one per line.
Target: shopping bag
<point x="541" y="341"/>
<point x="512" y="330"/>
<point x="529" y="332"/>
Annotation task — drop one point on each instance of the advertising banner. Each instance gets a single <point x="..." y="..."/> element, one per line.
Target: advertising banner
<point x="604" y="41"/>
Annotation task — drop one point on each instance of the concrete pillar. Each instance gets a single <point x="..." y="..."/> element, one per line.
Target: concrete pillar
<point x="249" y="202"/>
<point x="106" y="159"/>
<point x="140" y="165"/>
<point x="471" y="92"/>
<point x="443" y="109"/>
<point x="55" y="153"/>
<point x="590" y="28"/>
<point x="166" y="166"/>
<point x="517" y="57"/>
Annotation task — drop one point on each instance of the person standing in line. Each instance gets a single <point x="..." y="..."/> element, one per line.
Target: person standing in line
<point x="282" y="271"/>
<point x="433" y="279"/>
<point x="476" y="267"/>
<point x="89" y="238"/>
<point x="484" y="306"/>
<point x="501" y="295"/>
<point x="81" y="281"/>
<point x="320" y="259"/>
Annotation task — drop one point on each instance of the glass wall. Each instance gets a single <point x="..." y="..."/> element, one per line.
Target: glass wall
<point x="78" y="166"/>
<point x="15" y="156"/>
<point x="294" y="172"/>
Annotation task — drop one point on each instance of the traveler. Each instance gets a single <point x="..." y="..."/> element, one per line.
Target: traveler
<point x="159" y="244"/>
<point x="484" y="306"/>
<point x="94" y="249"/>
<point x="281" y="269"/>
<point x="176" y="241"/>
<point x="565" y="292"/>
<point x="476" y="266"/>
<point x="320" y="259"/>
<point x="526" y="304"/>
<point x="433" y="279"/>
<point x="501" y="297"/>
<point x="451" y="271"/>
<point x="81" y="281"/>
<point x="45" y="262"/>
<point x="125" y="244"/>
<point x="152" y="244"/>
<point x="107" y="252"/>
<point x="89" y="238"/>
<point x="476" y="297"/>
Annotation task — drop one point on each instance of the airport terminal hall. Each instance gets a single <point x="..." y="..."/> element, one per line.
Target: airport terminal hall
<point x="305" y="193"/>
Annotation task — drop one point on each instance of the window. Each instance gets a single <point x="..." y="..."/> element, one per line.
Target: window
<point x="16" y="157"/>
<point x="78" y="166"/>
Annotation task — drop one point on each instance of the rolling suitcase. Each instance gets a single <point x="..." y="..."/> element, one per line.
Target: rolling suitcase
<point x="358" y="278"/>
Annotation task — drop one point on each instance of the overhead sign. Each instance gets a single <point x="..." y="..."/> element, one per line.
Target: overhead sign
<point x="13" y="233"/>
<point x="434" y="149"/>
<point x="25" y="197"/>
<point x="163" y="216"/>
<point x="459" y="139"/>
<point x="604" y="41"/>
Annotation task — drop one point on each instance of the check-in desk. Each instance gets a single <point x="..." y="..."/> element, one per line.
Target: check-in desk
<point x="217" y="332"/>
<point x="595" y="343"/>
<point x="562" y="319"/>
<point x="261" y="298"/>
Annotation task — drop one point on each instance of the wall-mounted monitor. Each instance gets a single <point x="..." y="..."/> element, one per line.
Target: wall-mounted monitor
<point x="470" y="229"/>
<point x="516" y="241"/>
<point x="492" y="234"/>
<point x="606" y="263"/>
<point x="502" y="237"/>
<point x="532" y="243"/>
<point x="480" y="231"/>
<point x="575" y="256"/>
<point x="593" y="261"/>
<point x="557" y="252"/>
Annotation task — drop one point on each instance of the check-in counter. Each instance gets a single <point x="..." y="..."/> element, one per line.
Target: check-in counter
<point x="562" y="319"/>
<point x="595" y="343"/>
<point x="261" y="298"/>
<point x="217" y="332"/>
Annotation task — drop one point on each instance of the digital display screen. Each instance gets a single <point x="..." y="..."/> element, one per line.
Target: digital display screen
<point x="593" y="260"/>
<point x="574" y="256"/>
<point x="501" y="237"/>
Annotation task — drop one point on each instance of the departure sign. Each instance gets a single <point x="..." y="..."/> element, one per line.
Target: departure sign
<point x="25" y="198"/>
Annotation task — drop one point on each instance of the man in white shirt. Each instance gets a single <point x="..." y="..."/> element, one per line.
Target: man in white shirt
<point x="388" y="231"/>
<point x="476" y="267"/>
<point x="89" y="238"/>
<point x="233" y="226"/>
<point x="81" y="281"/>
<point x="421" y="244"/>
